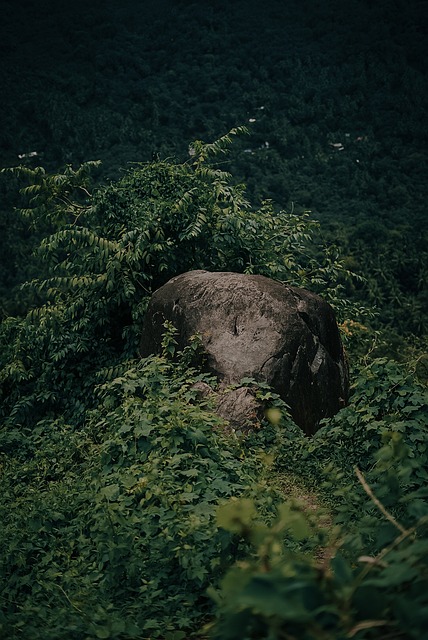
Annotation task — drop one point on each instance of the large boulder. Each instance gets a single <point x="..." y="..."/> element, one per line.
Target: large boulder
<point x="252" y="326"/>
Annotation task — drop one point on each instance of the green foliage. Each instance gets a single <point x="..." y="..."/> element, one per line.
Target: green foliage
<point x="386" y="403"/>
<point x="370" y="579"/>
<point x="109" y="251"/>
<point x="112" y="468"/>
<point x="279" y="594"/>
<point x="395" y="274"/>
<point x="303" y="79"/>
<point x="110" y="531"/>
<point x="51" y="197"/>
<point x="115" y="531"/>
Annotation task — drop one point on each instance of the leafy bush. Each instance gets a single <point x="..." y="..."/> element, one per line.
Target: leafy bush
<point x="347" y="593"/>
<point x="112" y="248"/>
<point x="113" y="470"/>
<point x="386" y="402"/>
<point x="370" y="578"/>
<point x="110" y="531"/>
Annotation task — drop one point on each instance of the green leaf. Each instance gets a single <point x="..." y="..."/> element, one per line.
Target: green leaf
<point x="342" y="570"/>
<point x="110" y="492"/>
<point x="236" y="515"/>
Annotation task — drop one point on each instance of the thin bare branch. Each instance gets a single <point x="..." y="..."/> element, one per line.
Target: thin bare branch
<point x="377" y="502"/>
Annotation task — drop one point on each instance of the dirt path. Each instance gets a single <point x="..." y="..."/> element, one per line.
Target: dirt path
<point x="317" y="512"/>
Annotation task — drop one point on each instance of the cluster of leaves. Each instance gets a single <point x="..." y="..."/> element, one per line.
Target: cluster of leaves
<point x="113" y="468"/>
<point x="109" y="531"/>
<point x="371" y="578"/>
<point x="386" y="402"/>
<point x="110" y="250"/>
<point x="368" y="584"/>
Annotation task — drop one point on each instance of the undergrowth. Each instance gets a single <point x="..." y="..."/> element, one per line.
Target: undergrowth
<point x="127" y="511"/>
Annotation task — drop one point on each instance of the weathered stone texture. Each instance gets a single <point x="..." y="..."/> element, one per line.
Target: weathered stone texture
<point x="254" y="326"/>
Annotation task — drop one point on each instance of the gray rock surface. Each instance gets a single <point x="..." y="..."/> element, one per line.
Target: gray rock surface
<point x="238" y="406"/>
<point x="252" y="326"/>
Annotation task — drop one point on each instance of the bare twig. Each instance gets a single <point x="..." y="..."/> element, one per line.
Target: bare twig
<point x="72" y="603"/>
<point x="377" y="502"/>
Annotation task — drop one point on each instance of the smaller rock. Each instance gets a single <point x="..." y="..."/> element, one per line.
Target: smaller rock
<point x="238" y="406"/>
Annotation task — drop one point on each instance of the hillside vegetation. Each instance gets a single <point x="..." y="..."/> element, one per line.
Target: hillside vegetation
<point x="128" y="510"/>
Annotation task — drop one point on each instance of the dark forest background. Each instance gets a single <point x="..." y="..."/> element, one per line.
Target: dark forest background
<point x="334" y="94"/>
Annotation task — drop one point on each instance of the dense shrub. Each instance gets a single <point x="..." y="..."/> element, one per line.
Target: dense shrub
<point x="110" y="250"/>
<point x="110" y="531"/>
<point x="112" y="470"/>
<point x="371" y="579"/>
